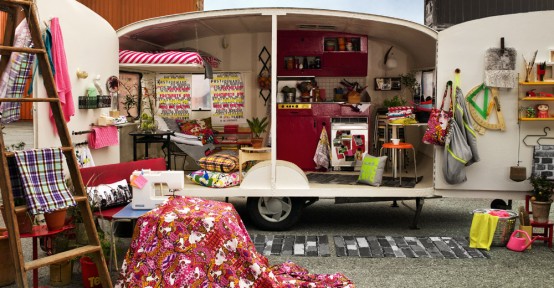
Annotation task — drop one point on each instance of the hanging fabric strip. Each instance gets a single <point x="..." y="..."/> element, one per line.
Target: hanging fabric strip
<point x="63" y="82"/>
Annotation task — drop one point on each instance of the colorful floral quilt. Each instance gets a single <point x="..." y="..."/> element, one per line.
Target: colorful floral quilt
<point x="192" y="242"/>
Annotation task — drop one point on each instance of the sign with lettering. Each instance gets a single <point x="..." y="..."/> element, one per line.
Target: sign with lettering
<point x="174" y="95"/>
<point x="227" y="90"/>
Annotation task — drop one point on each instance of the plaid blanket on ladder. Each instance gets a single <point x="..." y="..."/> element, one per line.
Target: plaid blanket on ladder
<point x="42" y="178"/>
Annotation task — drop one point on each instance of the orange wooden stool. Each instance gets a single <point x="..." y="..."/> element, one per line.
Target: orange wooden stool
<point x="395" y="150"/>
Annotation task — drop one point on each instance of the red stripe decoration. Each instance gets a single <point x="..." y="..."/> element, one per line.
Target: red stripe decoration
<point x="167" y="57"/>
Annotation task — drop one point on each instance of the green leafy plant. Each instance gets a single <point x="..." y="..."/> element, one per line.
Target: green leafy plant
<point x="542" y="188"/>
<point x="409" y="81"/>
<point x="129" y="103"/>
<point x="394" y="102"/>
<point x="257" y="126"/>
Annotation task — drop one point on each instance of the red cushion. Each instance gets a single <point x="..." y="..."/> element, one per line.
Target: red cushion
<point x="110" y="173"/>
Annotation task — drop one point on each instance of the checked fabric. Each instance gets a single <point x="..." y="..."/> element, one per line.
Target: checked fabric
<point x="43" y="181"/>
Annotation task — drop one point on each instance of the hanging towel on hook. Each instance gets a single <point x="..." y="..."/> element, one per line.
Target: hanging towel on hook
<point x="322" y="155"/>
<point x="101" y="137"/>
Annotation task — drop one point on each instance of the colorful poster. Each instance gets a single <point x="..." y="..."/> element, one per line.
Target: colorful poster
<point x="227" y="91"/>
<point x="174" y="95"/>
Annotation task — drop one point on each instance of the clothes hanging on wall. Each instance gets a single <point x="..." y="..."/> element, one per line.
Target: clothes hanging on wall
<point x="61" y="77"/>
<point x="84" y="157"/>
<point x="14" y="78"/>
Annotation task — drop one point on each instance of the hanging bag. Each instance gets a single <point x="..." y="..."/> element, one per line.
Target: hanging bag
<point x="438" y="124"/>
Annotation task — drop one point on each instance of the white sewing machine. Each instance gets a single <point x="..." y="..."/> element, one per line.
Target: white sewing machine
<point x="160" y="185"/>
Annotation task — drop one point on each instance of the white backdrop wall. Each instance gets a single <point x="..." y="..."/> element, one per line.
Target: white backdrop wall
<point x="463" y="46"/>
<point x="91" y="45"/>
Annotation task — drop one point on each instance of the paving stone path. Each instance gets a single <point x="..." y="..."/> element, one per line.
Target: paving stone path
<point x="291" y="245"/>
<point x="368" y="246"/>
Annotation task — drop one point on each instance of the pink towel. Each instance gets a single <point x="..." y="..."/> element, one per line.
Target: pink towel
<point x="101" y="137"/>
<point x="63" y="82"/>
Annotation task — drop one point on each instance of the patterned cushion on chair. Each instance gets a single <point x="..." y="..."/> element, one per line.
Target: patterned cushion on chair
<point x="219" y="162"/>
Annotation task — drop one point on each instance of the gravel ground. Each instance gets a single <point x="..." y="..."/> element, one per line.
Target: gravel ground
<point x="440" y="217"/>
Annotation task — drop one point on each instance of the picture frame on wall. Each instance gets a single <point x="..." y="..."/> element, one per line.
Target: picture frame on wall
<point x="129" y="86"/>
<point x="387" y="84"/>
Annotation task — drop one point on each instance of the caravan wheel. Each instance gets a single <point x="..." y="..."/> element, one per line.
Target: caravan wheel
<point x="274" y="213"/>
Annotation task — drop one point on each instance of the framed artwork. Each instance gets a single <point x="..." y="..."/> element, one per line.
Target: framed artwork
<point x="129" y="93"/>
<point x="387" y="83"/>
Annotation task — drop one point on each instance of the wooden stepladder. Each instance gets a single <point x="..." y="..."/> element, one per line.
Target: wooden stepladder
<point x="93" y="248"/>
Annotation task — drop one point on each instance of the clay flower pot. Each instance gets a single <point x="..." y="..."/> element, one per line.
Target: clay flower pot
<point x="55" y="220"/>
<point x="541" y="211"/>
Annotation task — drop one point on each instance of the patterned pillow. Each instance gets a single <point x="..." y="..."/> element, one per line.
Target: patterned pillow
<point x="194" y="127"/>
<point x="214" y="179"/>
<point x="219" y="162"/>
<point x="372" y="169"/>
<point x="109" y="195"/>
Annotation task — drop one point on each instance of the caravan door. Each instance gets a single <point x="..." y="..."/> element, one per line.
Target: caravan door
<point x="464" y="47"/>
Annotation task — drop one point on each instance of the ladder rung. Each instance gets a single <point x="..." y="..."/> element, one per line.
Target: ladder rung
<point x="29" y="99"/>
<point x="62" y="256"/>
<point x="4" y="49"/>
<point x="80" y="198"/>
<point x="64" y="149"/>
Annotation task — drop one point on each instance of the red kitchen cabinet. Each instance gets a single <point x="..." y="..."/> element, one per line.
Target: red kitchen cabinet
<point x="298" y="133"/>
<point x="319" y="53"/>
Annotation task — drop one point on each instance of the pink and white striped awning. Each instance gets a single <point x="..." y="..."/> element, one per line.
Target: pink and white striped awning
<point x="166" y="57"/>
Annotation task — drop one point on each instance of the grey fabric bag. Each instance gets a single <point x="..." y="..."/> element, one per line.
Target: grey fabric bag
<point x="461" y="115"/>
<point x="457" y="153"/>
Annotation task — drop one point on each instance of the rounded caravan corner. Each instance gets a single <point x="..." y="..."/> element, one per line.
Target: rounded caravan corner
<point x="288" y="175"/>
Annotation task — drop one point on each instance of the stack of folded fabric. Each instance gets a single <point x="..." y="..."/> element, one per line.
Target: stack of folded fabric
<point x="219" y="170"/>
<point x="401" y="115"/>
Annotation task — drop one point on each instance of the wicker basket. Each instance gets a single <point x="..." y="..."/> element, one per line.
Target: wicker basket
<point x="504" y="228"/>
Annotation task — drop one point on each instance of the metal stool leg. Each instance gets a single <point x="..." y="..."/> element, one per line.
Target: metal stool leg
<point x="415" y="166"/>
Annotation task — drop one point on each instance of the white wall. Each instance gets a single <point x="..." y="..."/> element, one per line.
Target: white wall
<point x="91" y="45"/>
<point x="463" y="46"/>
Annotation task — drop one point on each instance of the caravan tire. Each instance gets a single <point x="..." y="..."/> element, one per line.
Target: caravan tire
<point x="274" y="213"/>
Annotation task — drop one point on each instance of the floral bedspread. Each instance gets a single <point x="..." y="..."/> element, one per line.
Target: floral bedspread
<point x="192" y="242"/>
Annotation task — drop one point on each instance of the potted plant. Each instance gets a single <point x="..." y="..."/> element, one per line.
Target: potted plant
<point x="394" y="102"/>
<point x="541" y="197"/>
<point x="129" y="103"/>
<point x="257" y="127"/>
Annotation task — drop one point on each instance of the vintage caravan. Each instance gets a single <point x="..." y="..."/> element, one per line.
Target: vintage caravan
<point x="292" y="46"/>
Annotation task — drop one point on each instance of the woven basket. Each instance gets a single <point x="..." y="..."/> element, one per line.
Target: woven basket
<point x="504" y="228"/>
